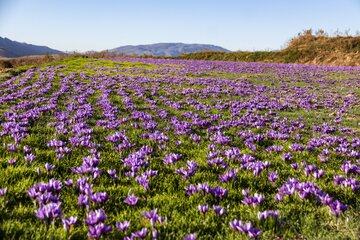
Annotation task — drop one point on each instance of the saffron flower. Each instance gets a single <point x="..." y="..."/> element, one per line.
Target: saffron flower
<point x="122" y="226"/>
<point x="203" y="208"/>
<point x="131" y="200"/>
<point x="67" y="223"/>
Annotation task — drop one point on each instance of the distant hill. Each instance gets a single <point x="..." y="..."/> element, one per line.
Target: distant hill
<point x="166" y="49"/>
<point x="10" y="49"/>
<point x="306" y="48"/>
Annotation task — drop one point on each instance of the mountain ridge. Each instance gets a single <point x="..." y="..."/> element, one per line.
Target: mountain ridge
<point x="11" y="49"/>
<point x="166" y="49"/>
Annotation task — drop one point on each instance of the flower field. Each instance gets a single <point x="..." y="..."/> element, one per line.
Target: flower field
<point x="171" y="149"/>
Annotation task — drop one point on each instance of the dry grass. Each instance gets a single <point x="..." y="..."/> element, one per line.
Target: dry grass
<point x="35" y="60"/>
<point x="324" y="50"/>
<point x="306" y="48"/>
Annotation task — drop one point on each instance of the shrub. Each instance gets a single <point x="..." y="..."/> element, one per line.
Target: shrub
<point x="5" y="64"/>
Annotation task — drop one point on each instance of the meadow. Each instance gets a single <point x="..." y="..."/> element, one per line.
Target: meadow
<point x="130" y="148"/>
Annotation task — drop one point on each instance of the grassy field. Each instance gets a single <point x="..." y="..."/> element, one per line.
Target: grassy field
<point x="179" y="149"/>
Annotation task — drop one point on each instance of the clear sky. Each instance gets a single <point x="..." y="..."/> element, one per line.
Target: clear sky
<point x="83" y="25"/>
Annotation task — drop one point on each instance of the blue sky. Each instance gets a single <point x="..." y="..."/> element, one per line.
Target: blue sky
<point x="83" y="25"/>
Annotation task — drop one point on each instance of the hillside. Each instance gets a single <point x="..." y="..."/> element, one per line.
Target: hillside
<point x="165" y="49"/>
<point x="10" y="49"/>
<point x="304" y="49"/>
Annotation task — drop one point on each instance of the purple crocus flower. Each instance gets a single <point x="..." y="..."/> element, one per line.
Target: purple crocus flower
<point x="338" y="179"/>
<point x="112" y="173"/>
<point x="337" y="207"/>
<point x="295" y="166"/>
<point x="12" y="148"/>
<point x="274" y="148"/>
<point x="55" y="185"/>
<point x="203" y="208"/>
<point x="219" y="210"/>
<point x="27" y="149"/>
<point x="150" y="173"/>
<point x="140" y="234"/>
<point x="49" y="211"/>
<point x="214" y="154"/>
<point x="153" y="216"/>
<point x="245" y="192"/>
<point x="12" y="161"/>
<point x="273" y="176"/>
<point x="309" y="169"/>
<point x="171" y="158"/>
<point x="218" y="163"/>
<point x="318" y="173"/>
<point x="122" y="226"/>
<point x="297" y="147"/>
<point x="191" y="236"/>
<point x="99" y="197"/>
<point x="245" y="228"/>
<point x="219" y="192"/>
<point x="236" y="225"/>
<point x="33" y="193"/>
<point x="67" y="223"/>
<point x="268" y="213"/>
<point x="83" y="200"/>
<point x="229" y="175"/>
<point x="3" y="191"/>
<point x="189" y="171"/>
<point x="248" y="201"/>
<point x="154" y="234"/>
<point x="96" y="231"/>
<point x="231" y="153"/>
<point x="49" y="167"/>
<point x="195" y="138"/>
<point x="323" y="158"/>
<point x="94" y="217"/>
<point x="192" y="189"/>
<point x="68" y="182"/>
<point x="48" y="197"/>
<point x="287" y="156"/>
<point x="30" y="157"/>
<point x="325" y="198"/>
<point x="220" y="138"/>
<point x="131" y="200"/>
<point x="348" y="167"/>
<point x="254" y="201"/>
<point x="254" y="232"/>
<point x="143" y="181"/>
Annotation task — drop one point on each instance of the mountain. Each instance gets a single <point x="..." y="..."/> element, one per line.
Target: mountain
<point x="166" y="49"/>
<point x="9" y="49"/>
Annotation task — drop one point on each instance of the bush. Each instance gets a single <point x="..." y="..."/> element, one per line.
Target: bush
<point x="5" y="64"/>
<point x="292" y="56"/>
